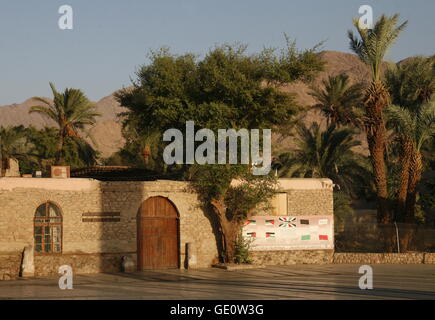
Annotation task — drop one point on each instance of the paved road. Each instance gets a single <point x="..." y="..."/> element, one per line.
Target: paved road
<point x="280" y="282"/>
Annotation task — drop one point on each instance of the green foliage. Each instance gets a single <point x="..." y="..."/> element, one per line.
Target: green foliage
<point x="412" y="82"/>
<point x="412" y="114"/>
<point x="214" y="182"/>
<point x="338" y="100"/>
<point x="228" y="88"/>
<point x="373" y="44"/>
<point x="225" y="89"/>
<point x="286" y="65"/>
<point x="132" y="153"/>
<point x="72" y="111"/>
<point x="36" y="149"/>
<point x="418" y="125"/>
<point x="241" y="250"/>
<point x="327" y="154"/>
<point x="13" y="144"/>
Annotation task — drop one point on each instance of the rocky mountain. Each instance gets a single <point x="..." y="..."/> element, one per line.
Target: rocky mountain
<point x="107" y="132"/>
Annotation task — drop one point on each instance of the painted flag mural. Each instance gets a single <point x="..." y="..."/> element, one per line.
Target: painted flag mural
<point x="270" y="222"/>
<point x="270" y="235"/>
<point x="251" y="222"/>
<point x="290" y="232"/>
<point x="287" y="222"/>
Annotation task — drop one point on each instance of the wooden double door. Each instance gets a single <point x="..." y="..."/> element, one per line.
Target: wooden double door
<point x="157" y="235"/>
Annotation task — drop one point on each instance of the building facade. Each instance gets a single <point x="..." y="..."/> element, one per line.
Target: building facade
<point x="93" y="226"/>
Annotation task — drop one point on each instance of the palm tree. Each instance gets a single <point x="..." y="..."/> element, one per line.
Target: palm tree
<point x="411" y="84"/>
<point x="371" y="47"/>
<point x="338" y="100"/>
<point x="72" y="112"/>
<point x="417" y="127"/>
<point x="326" y="154"/>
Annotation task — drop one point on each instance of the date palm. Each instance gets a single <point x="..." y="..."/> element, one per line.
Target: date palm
<point x="326" y="154"/>
<point x="417" y="127"/>
<point x="72" y="112"/>
<point x="411" y="84"/>
<point x="338" y="100"/>
<point x="371" y="47"/>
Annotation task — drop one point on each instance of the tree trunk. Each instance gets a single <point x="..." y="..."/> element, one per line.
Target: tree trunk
<point x="377" y="152"/>
<point x="60" y="144"/>
<point x="229" y="230"/>
<point x="416" y="167"/>
<point x="405" y="161"/>
<point x="377" y="98"/>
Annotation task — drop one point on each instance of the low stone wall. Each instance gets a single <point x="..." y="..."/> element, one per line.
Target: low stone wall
<point x="10" y="263"/>
<point x="46" y="265"/>
<point x="327" y="257"/>
<point x="429" y="258"/>
<point x="384" y="258"/>
<point x="290" y="257"/>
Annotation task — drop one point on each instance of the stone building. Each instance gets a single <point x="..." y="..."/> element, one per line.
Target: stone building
<point x="94" y="225"/>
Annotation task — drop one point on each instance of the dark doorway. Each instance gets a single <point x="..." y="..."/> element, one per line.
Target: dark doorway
<point x="157" y="235"/>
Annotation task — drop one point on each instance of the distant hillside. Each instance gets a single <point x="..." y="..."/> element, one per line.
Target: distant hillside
<point x="107" y="132"/>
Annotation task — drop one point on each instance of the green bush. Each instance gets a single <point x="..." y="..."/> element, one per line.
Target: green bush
<point x="241" y="248"/>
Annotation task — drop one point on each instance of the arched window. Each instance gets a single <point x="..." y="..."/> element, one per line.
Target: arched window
<point x="48" y="229"/>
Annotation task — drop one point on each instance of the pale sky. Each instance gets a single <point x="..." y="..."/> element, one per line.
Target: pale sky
<point x="111" y="38"/>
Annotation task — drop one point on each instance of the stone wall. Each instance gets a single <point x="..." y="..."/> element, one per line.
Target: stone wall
<point x="309" y="196"/>
<point x="80" y="263"/>
<point x="290" y="257"/>
<point x="101" y="244"/>
<point x="90" y="245"/>
<point x="304" y="197"/>
<point x="384" y="258"/>
<point x="328" y="257"/>
<point x="429" y="258"/>
<point x="10" y="263"/>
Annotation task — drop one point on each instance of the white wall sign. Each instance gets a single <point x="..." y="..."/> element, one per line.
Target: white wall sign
<point x="290" y="232"/>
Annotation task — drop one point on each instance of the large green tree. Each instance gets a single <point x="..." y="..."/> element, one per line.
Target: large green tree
<point x="371" y="45"/>
<point x="227" y="88"/>
<point x="71" y="111"/>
